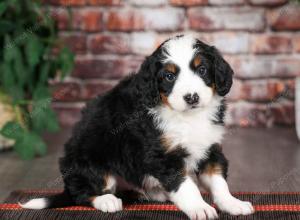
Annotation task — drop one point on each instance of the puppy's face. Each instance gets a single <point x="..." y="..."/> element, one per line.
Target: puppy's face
<point x="191" y="74"/>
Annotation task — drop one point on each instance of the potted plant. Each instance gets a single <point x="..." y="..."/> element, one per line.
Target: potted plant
<point x="30" y="54"/>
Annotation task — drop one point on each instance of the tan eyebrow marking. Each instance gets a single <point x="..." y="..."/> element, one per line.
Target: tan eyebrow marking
<point x="170" y="68"/>
<point x="197" y="61"/>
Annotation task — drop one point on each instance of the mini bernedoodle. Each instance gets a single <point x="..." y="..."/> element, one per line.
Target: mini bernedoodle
<point x="160" y="131"/>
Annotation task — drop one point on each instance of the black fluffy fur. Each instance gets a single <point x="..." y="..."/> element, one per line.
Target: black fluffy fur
<point x="215" y="157"/>
<point x="117" y="136"/>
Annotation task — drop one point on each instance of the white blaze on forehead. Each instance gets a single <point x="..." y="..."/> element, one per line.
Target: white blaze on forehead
<point x="180" y="50"/>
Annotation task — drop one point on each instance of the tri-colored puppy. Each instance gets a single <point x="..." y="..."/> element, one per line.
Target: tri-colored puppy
<point x="160" y="130"/>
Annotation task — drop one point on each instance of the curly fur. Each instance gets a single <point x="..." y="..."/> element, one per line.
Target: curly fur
<point x="132" y="132"/>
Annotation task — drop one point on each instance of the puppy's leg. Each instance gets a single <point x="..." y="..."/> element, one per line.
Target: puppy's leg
<point x="188" y="198"/>
<point x="212" y="174"/>
<point x="154" y="194"/>
<point x="169" y="169"/>
<point x="95" y="190"/>
<point x="222" y="197"/>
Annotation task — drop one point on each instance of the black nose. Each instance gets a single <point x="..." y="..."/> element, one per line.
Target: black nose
<point x="191" y="99"/>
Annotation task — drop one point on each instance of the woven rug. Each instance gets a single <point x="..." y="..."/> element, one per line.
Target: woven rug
<point x="285" y="206"/>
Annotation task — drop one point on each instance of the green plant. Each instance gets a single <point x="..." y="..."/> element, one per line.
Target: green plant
<point x="30" y="55"/>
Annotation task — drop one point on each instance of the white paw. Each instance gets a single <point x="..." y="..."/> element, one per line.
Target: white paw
<point x="40" y="203"/>
<point x="234" y="206"/>
<point x="201" y="212"/>
<point x="107" y="203"/>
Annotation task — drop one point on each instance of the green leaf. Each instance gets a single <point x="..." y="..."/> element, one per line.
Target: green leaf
<point x="10" y="48"/>
<point x="6" y="26"/>
<point x="30" y="144"/>
<point x="66" y="60"/>
<point x="12" y="130"/>
<point x="43" y="118"/>
<point x="41" y="93"/>
<point x="38" y="144"/>
<point x="24" y="149"/>
<point x="28" y="35"/>
<point x="20" y="68"/>
<point x="3" y="7"/>
<point x="34" y="50"/>
<point x="15" y="4"/>
<point x="8" y="78"/>
<point x="44" y="74"/>
<point x="10" y="84"/>
<point x="52" y="122"/>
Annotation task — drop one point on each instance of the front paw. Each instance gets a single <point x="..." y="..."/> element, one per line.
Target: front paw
<point x="201" y="211"/>
<point x="107" y="203"/>
<point x="235" y="206"/>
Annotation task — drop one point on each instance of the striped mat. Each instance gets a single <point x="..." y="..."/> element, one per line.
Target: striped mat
<point x="285" y="206"/>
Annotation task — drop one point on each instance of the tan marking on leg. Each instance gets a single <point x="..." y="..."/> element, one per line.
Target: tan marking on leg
<point x="213" y="168"/>
<point x="91" y="199"/>
<point x="109" y="183"/>
<point x="213" y="87"/>
<point x="166" y="142"/>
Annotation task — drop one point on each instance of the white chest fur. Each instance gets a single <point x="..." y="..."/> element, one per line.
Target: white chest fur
<point x="193" y="130"/>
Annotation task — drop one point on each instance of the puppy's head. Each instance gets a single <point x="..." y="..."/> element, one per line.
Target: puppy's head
<point x="188" y="74"/>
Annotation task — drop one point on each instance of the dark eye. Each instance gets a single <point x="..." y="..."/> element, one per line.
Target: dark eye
<point x="169" y="77"/>
<point x="202" y="70"/>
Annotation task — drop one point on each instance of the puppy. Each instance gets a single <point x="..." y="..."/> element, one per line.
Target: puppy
<point x="160" y="131"/>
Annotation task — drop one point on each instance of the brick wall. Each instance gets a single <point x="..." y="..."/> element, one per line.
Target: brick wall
<point x="260" y="38"/>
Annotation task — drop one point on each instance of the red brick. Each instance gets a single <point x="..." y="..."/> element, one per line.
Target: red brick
<point x="105" y="2"/>
<point x="257" y="90"/>
<point x="188" y="2"/>
<point x="247" y="68"/>
<point x="62" y="19"/>
<point x="76" y="42"/>
<point x="248" y="115"/>
<point x="268" y="2"/>
<point x="231" y="42"/>
<point x="296" y="44"/>
<point x="125" y="21"/>
<point x="287" y="67"/>
<point x="263" y="67"/>
<point x="87" y="20"/>
<point x="235" y="92"/>
<point x="106" y="67"/>
<point x="146" y="3"/>
<point x="245" y="114"/>
<point x="114" y="43"/>
<point x="66" y="2"/>
<point x="286" y="18"/>
<point x="289" y="89"/>
<point x="268" y="44"/>
<point x="262" y="90"/>
<point x="146" y="19"/>
<point x="92" y="88"/>
<point x="226" y="18"/>
<point x="283" y="113"/>
<point x="144" y="43"/>
<point x="68" y="113"/>
<point x="95" y="68"/>
<point x="227" y="2"/>
<point x="66" y="91"/>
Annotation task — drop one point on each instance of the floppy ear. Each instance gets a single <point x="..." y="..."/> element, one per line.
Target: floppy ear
<point x="222" y="73"/>
<point x="149" y="81"/>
